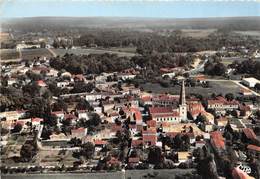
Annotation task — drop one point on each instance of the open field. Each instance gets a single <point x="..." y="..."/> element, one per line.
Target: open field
<point x="216" y="87"/>
<point x="229" y="60"/>
<point x="54" y="157"/>
<point x="30" y="54"/>
<point x="86" y="51"/>
<point x="7" y="54"/>
<point x="122" y="49"/>
<point x="197" y="33"/>
<point x="249" y="33"/>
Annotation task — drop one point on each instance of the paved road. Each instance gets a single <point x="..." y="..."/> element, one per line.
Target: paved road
<point x="52" y="52"/>
<point x="198" y="69"/>
<point x="128" y="174"/>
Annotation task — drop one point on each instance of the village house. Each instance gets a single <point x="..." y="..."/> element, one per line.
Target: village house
<point x="79" y="133"/>
<point x="254" y="149"/>
<point x="165" y="100"/>
<point x="221" y="121"/>
<point x="221" y="105"/>
<point x="195" y="108"/>
<point x="149" y="137"/>
<point x="218" y="142"/>
<point x="128" y="74"/>
<point x="36" y="122"/>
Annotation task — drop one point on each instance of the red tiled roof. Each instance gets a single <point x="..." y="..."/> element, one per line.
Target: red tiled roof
<point x="137" y="114"/>
<point x="100" y="142"/>
<point x="222" y="100"/>
<point x="151" y="123"/>
<point x="172" y="114"/>
<point x="154" y="110"/>
<point x="136" y="143"/>
<point x="217" y="139"/>
<point x="146" y="98"/>
<point x="41" y="83"/>
<point x="150" y="138"/>
<point x="20" y="122"/>
<point x="200" y="77"/>
<point x="133" y="160"/>
<point x="249" y="133"/>
<point x="253" y="147"/>
<point x="113" y="161"/>
<point x="37" y="119"/>
<point x="195" y="107"/>
<point x="166" y="98"/>
<point x="79" y="130"/>
<point x="166" y="124"/>
<point x="150" y="131"/>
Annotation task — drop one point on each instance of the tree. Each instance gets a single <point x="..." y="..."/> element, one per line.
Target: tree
<point x="207" y="168"/>
<point x="257" y="86"/>
<point x="94" y="119"/>
<point x="80" y="87"/>
<point x="83" y="105"/>
<point x="17" y="128"/>
<point x="201" y="119"/>
<point x="87" y="150"/>
<point x="31" y="89"/>
<point x="27" y="152"/>
<point x="229" y="96"/>
<point x="43" y="44"/>
<point x="154" y="155"/>
<point x="60" y="105"/>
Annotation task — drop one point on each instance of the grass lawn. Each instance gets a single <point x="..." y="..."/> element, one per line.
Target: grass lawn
<point x="30" y="54"/>
<point x="216" y="87"/>
<point x="87" y="51"/>
<point x="7" y="54"/>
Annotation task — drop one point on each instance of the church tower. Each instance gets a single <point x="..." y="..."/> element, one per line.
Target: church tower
<point x="182" y="103"/>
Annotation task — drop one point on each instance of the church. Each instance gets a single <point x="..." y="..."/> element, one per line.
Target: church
<point x="168" y="113"/>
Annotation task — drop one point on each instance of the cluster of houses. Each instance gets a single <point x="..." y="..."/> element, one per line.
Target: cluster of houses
<point x="146" y="116"/>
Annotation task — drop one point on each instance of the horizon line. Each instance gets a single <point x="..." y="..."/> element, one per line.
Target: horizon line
<point x="144" y="17"/>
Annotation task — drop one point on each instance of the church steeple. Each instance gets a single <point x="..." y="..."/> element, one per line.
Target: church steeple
<point x="182" y="95"/>
<point x="182" y="103"/>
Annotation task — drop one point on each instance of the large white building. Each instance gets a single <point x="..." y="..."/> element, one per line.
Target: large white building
<point x="250" y="82"/>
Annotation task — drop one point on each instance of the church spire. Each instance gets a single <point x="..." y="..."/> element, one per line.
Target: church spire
<point x="182" y="95"/>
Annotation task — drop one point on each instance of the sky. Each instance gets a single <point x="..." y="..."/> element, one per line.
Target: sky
<point x="137" y="8"/>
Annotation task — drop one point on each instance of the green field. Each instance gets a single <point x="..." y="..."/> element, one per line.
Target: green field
<point x="86" y="51"/>
<point x="197" y="33"/>
<point x="7" y="54"/>
<point x="229" y="60"/>
<point x="217" y="87"/>
<point x="30" y="54"/>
